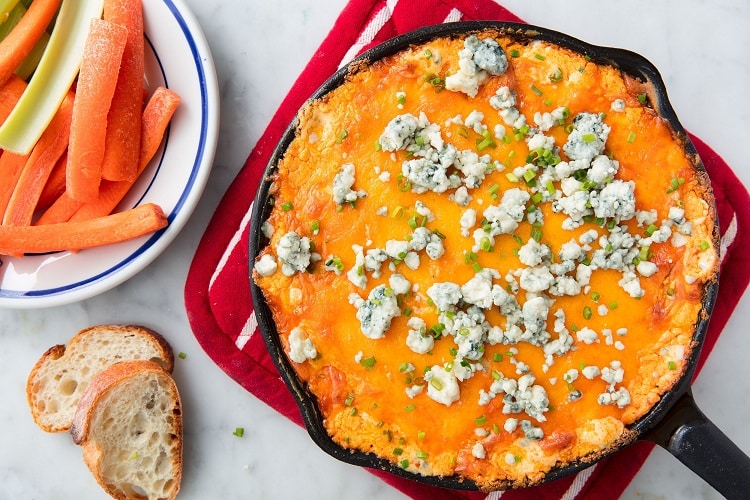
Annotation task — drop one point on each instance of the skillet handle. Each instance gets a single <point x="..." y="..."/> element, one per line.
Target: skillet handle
<point x="694" y="440"/>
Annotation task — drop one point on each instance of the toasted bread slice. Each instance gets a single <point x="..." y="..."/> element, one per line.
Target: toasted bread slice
<point x="60" y="376"/>
<point x="129" y="423"/>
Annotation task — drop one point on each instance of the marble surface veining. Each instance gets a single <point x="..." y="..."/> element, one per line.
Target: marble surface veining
<point x="259" y="49"/>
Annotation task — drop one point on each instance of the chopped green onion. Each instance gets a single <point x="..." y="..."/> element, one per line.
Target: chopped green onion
<point x="239" y="432"/>
<point x="536" y="90"/>
<point x="404" y="464"/>
<point x="410" y="407"/>
<point x="497" y="357"/>
<point x="349" y="400"/>
<point x="613" y="305"/>
<point x="422" y="455"/>
<point x="481" y="420"/>
<point x="651" y="229"/>
<point x="512" y="177"/>
<point x="287" y="206"/>
<point x="515" y="53"/>
<point x="182" y="355"/>
<point x="315" y="226"/>
<point x="556" y="76"/>
<point x="438" y="234"/>
<point x="642" y="98"/>
<point x="705" y="245"/>
<point x="672" y="365"/>
<point x="477" y="267"/>
<point x="536" y="233"/>
<point x="485" y="244"/>
<point x="398" y="451"/>
<point x="368" y="362"/>
<point x="342" y="135"/>
<point x="540" y="57"/>
<point x="587" y="312"/>
<point x="588" y="137"/>
<point x="631" y="137"/>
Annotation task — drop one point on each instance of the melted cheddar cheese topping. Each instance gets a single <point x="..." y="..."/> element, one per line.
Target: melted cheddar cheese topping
<point x="486" y="257"/>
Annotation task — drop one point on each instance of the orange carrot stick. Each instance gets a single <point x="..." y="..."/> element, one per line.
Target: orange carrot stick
<point x="11" y="166"/>
<point x="10" y="93"/>
<point x="156" y="116"/>
<point x="55" y="185"/>
<point x="42" y="160"/>
<point x="122" y="144"/>
<point x="24" y="36"/>
<point x="115" y="228"/>
<point x="97" y="78"/>
<point x="61" y="210"/>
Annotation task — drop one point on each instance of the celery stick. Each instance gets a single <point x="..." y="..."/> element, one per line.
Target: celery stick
<point x="5" y="7"/>
<point x="53" y="76"/>
<point x="27" y="67"/>
<point x="9" y="19"/>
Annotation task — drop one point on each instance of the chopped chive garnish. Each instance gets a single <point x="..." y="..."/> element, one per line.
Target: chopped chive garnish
<point x="613" y="305"/>
<point x="342" y="135"/>
<point x="556" y="76"/>
<point x="398" y="451"/>
<point x="536" y="90"/>
<point x="401" y="99"/>
<point x="315" y="226"/>
<point x="438" y="234"/>
<point x="404" y="464"/>
<point x="536" y="233"/>
<point x="422" y="455"/>
<point x="407" y="312"/>
<point x="651" y="229"/>
<point x="672" y="365"/>
<point x="642" y="98"/>
<point x="631" y="137"/>
<point x="477" y="267"/>
<point x="485" y="244"/>
<point x="349" y="400"/>
<point x="705" y="245"/>
<point x="182" y="355"/>
<point x="675" y="184"/>
<point x="437" y="384"/>
<point x="480" y="420"/>
<point x="595" y="296"/>
<point x="421" y="435"/>
<point x="410" y="407"/>
<point x="514" y="53"/>
<point x="287" y="206"/>
<point x="497" y="357"/>
<point x="239" y="432"/>
<point x="397" y="213"/>
<point x="540" y="57"/>
<point x="512" y="177"/>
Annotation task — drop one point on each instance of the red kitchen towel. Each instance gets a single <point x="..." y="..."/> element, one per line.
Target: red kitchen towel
<point x="217" y="293"/>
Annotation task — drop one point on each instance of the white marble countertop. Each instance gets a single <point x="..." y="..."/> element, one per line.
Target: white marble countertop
<point x="259" y="49"/>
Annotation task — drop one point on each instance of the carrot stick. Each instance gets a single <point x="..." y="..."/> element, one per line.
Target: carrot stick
<point x="55" y="185"/>
<point x="22" y="39"/>
<point x="122" y="144"/>
<point x="115" y="228"/>
<point x="61" y="210"/>
<point x="156" y="116"/>
<point x="10" y="93"/>
<point x="42" y="160"/>
<point x="97" y="78"/>
<point x="11" y="166"/>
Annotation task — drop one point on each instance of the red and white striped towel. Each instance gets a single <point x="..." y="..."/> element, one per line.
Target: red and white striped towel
<point x="217" y="292"/>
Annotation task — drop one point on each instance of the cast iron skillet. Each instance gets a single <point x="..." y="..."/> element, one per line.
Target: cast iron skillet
<point x="674" y="423"/>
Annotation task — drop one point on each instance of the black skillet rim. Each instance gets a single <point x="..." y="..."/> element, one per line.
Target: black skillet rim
<point x="630" y="63"/>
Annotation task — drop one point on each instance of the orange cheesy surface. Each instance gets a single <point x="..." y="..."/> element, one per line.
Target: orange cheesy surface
<point x="486" y="257"/>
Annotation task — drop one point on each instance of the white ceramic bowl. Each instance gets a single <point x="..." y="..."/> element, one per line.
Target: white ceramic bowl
<point x="178" y="57"/>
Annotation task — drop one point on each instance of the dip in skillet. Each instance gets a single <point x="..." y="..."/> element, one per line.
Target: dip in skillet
<point x="486" y="257"/>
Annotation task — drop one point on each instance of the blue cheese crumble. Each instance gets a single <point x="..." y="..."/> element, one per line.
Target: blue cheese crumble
<point x="342" y="186"/>
<point x="301" y="348"/>
<point x="375" y="313"/>
<point x="477" y="59"/>
<point x="293" y="252"/>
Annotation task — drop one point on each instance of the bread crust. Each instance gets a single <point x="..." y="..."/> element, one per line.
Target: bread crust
<point x="99" y="387"/>
<point x="54" y="353"/>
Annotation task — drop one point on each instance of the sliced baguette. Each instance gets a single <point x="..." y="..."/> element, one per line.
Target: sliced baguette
<point x="129" y="424"/>
<point x="60" y="376"/>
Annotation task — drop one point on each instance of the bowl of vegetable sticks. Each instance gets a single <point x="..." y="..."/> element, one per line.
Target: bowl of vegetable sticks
<point x="109" y="117"/>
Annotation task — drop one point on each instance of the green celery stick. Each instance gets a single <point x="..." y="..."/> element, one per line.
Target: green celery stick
<point x="53" y="77"/>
